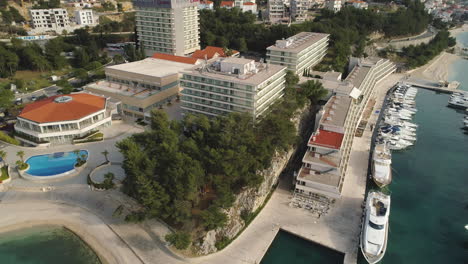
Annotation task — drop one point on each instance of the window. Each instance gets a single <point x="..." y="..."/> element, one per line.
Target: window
<point x="376" y="226"/>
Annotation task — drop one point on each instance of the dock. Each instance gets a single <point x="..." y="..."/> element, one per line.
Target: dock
<point x="427" y="84"/>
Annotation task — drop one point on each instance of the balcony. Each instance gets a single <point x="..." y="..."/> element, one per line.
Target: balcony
<point x="324" y="160"/>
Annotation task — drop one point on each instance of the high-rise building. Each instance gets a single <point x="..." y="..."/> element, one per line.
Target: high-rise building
<point x="167" y="26"/>
<point x="50" y="19"/>
<point x="221" y="86"/>
<point x="299" y="52"/>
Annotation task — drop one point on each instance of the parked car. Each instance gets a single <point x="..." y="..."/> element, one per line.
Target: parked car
<point x="33" y="98"/>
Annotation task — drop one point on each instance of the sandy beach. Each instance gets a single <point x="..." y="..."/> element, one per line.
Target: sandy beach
<point x="438" y="69"/>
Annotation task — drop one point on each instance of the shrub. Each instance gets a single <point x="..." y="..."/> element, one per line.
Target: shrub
<point x="135" y="217"/>
<point x="6" y="138"/>
<point x="180" y="240"/>
<point x="4" y="175"/>
<point x="108" y="181"/>
<point x="222" y="243"/>
<point x="22" y="165"/>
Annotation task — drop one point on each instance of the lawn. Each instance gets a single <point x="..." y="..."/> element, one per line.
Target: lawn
<point x="4" y="173"/>
<point x="35" y="80"/>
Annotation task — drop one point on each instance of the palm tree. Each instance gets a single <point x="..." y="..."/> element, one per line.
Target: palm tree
<point x="3" y="155"/>
<point x="105" y="153"/>
<point x="20" y="154"/>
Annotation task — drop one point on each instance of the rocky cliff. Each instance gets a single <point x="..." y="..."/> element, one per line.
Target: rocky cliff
<point x="249" y="200"/>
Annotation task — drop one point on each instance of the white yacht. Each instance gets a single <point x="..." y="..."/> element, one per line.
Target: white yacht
<point x="375" y="227"/>
<point x="381" y="165"/>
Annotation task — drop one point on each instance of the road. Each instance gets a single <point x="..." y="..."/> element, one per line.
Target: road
<point x="48" y="91"/>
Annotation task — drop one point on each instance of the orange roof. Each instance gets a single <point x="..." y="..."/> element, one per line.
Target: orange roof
<point x="206" y="2"/>
<point x="174" y="58"/>
<point x="227" y="3"/>
<point x="48" y="110"/>
<point x="210" y="52"/>
<point x="327" y="139"/>
<point x="249" y="3"/>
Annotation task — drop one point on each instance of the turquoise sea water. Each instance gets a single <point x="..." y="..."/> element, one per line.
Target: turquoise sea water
<point x="44" y="245"/>
<point x="291" y="249"/>
<point x="429" y="190"/>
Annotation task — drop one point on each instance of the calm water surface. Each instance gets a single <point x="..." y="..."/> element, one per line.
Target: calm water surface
<point x="44" y="245"/>
<point x="290" y="249"/>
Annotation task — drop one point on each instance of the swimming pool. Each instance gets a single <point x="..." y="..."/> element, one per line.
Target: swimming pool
<point x="53" y="164"/>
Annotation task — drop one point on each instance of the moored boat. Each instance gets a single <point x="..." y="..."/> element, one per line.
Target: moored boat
<point x="374" y="232"/>
<point x="381" y="165"/>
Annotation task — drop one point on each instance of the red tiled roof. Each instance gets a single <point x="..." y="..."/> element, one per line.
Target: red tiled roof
<point x="327" y="139"/>
<point x="206" y="2"/>
<point x="227" y="3"/>
<point x="249" y="3"/>
<point x="210" y="52"/>
<point x="47" y="110"/>
<point x="174" y="58"/>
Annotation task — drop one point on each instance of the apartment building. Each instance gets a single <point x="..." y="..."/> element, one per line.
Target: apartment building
<point x="169" y="27"/>
<point x="326" y="159"/>
<point x="55" y="19"/>
<point x="85" y="17"/>
<point x="299" y="52"/>
<point x="276" y="10"/>
<point x="222" y="86"/>
<point x="358" y="4"/>
<point x="299" y="9"/>
<point x="334" y="5"/>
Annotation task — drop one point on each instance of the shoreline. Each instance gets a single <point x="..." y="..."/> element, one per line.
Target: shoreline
<point x="93" y="231"/>
<point x="102" y="253"/>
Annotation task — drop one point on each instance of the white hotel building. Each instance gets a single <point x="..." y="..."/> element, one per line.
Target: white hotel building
<point x="326" y="160"/>
<point x="232" y="85"/>
<point x="299" y="52"/>
<point x="169" y="26"/>
<point x="60" y="119"/>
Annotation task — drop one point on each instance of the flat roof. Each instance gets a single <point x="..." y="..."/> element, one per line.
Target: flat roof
<point x="264" y="72"/>
<point x="336" y="110"/>
<point x="151" y="67"/>
<point x="301" y="41"/>
<point x="121" y="89"/>
<point x="325" y="138"/>
<point x="71" y="107"/>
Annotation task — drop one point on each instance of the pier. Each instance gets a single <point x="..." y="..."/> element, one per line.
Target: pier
<point x="427" y="84"/>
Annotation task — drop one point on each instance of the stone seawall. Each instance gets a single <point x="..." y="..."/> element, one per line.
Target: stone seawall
<point x="249" y="200"/>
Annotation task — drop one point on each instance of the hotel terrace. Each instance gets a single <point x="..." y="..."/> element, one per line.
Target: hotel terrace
<point x="143" y="85"/>
<point x="299" y="52"/>
<point x="225" y="85"/>
<point x="60" y="119"/>
<point x="326" y="159"/>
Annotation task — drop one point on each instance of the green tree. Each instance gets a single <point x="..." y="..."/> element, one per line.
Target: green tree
<point x="105" y="153"/>
<point x="81" y="74"/>
<point x="6" y="98"/>
<point x="291" y="79"/>
<point x="81" y="58"/>
<point x="213" y="218"/>
<point x="20" y="154"/>
<point x="180" y="240"/>
<point x="313" y="90"/>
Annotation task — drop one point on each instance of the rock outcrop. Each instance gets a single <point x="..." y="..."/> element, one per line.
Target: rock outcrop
<point x="249" y="200"/>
